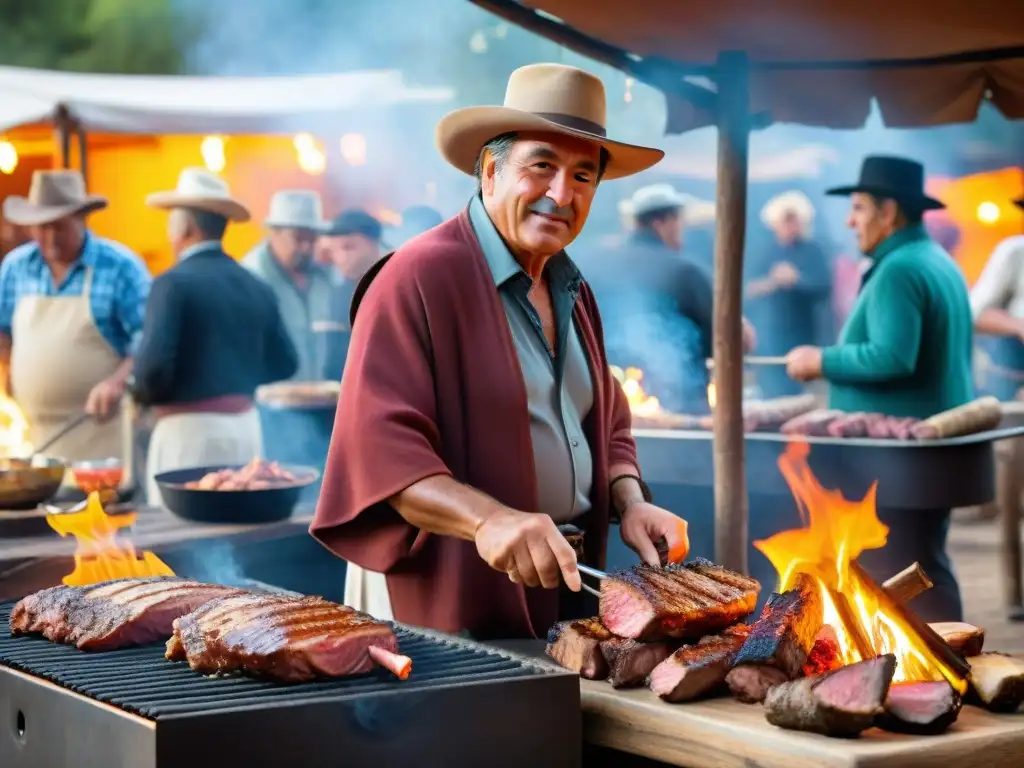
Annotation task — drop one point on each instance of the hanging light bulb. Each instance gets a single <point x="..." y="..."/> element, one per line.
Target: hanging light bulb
<point x="8" y="157"/>
<point x="310" y="156"/>
<point x="353" y="148"/>
<point x="988" y="213"/>
<point x="212" y="150"/>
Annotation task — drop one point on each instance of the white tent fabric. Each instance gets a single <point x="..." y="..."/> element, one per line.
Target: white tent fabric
<point x="189" y="105"/>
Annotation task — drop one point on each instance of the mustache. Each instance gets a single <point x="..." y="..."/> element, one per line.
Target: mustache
<point x="548" y="207"/>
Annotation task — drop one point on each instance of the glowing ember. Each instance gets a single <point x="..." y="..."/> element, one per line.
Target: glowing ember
<point x="640" y="402"/>
<point x="836" y="532"/>
<point x="100" y="555"/>
<point x="14" y="427"/>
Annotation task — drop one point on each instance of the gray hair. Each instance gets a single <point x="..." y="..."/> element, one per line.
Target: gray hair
<point x="500" y="147"/>
<point x="210" y="226"/>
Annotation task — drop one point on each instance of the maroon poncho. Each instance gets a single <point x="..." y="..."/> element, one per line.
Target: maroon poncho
<point x="432" y="385"/>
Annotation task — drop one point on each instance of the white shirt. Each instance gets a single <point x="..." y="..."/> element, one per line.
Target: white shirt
<point x="1001" y="285"/>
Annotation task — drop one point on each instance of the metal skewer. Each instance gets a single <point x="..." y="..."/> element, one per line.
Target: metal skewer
<point x="756" y="360"/>
<point x="594" y="573"/>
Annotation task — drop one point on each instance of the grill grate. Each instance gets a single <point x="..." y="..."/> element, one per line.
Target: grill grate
<point x="141" y="681"/>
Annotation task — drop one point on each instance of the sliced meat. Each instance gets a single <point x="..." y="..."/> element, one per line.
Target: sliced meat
<point x="842" y="703"/>
<point x="677" y="601"/>
<point x="850" y="425"/>
<point x="813" y="424"/>
<point x="779" y="641"/>
<point x="997" y="681"/>
<point x="695" y="670"/>
<point x="113" y="614"/>
<point x="964" y="639"/>
<point x="576" y="645"/>
<point x="920" y="708"/>
<point x="288" y="639"/>
<point x="631" y="661"/>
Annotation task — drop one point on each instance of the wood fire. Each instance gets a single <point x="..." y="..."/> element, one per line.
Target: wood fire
<point x="867" y="621"/>
<point x="14" y="426"/>
<point x="100" y="553"/>
<point x="640" y="403"/>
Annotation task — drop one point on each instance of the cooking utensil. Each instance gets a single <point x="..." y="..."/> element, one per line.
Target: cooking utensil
<point x="269" y="505"/>
<point x="68" y="427"/>
<point x="756" y="360"/>
<point x="27" y="482"/>
<point x="102" y="475"/>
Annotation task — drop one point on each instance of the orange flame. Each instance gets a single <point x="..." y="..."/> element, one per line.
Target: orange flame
<point x="14" y="426"/>
<point x="836" y="531"/>
<point x="640" y="403"/>
<point x="100" y="555"/>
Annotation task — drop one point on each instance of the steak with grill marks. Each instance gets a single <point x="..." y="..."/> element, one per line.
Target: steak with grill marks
<point x="112" y="614"/>
<point x="677" y="601"/>
<point x="695" y="670"/>
<point x="576" y="645"/>
<point x="288" y="639"/>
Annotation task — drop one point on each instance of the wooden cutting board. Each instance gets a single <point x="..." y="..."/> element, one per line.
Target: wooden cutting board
<point x="722" y="733"/>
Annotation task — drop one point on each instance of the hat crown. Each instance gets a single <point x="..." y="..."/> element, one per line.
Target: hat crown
<point x="558" y="89"/>
<point x="199" y="182"/>
<point x="656" y="197"/>
<point x="896" y="172"/>
<point x="56" y="188"/>
<point x="299" y="208"/>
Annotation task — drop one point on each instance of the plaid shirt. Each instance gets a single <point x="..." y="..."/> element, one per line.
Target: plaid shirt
<point x="120" y="287"/>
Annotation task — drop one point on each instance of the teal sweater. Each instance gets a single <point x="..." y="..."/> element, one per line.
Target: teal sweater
<point x="906" y="348"/>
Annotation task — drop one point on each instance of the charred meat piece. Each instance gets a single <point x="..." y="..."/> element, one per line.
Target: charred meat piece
<point x="576" y="645"/>
<point x="779" y="641"/>
<point x="965" y="639"/>
<point x="695" y="670"/>
<point x="997" y="681"/>
<point x="677" y="601"/>
<point x="923" y="708"/>
<point x="842" y="703"/>
<point x="113" y="614"/>
<point x="850" y="425"/>
<point x="813" y="424"/>
<point x="630" y="661"/>
<point x="284" y="638"/>
<point x="825" y="655"/>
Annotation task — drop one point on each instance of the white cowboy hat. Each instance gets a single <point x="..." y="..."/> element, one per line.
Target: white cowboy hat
<point x="792" y="202"/>
<point x="542" y="97"/>
<point x="205" y="191"/>
<point x="657" y="197"/>
<point x="53" y="195"/>
<point x="296" y="209"/>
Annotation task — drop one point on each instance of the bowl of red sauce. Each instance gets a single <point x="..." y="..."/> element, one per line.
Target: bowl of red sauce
<point x="99" y="476"/>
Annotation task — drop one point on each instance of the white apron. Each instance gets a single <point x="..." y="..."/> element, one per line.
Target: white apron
<point x="57" y="356"/>
<point x="184" y="440"/>
<point x="367" y="591"/>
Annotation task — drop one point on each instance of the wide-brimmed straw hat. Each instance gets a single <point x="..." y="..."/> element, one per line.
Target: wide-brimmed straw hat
<point x="202" y="190"/>
<point x="894" y="177"/>
<point x="793" y="202"/>
<point x="551" y="98"/>
<point x="53" y="195"/>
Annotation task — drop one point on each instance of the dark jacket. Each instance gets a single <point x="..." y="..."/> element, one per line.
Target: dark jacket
<point x="212" y="329"/>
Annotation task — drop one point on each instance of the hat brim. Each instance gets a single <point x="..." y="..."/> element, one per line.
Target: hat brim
<point x="462" y="134"/>
<point x="926" y="203"/>
<point x="229" y="208"/>
<point x="322" y="228"/>
<point x="23" y="213"/>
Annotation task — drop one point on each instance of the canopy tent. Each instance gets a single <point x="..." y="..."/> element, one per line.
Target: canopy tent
<point x="198" y="105"/>
<point x="738" y="64"/>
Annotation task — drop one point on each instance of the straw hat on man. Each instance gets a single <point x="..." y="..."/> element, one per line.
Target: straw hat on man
<point x="213" y="335"/>
<point x="470" y="423"/>
<point x="70" y="315"/>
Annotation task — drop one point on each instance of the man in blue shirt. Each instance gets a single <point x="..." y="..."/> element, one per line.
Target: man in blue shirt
<point x="71" y="312"/>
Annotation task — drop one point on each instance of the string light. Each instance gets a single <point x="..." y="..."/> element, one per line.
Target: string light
<point x="353" y="148"/>
<point x="310" y="156"/>
<point x="988" y="213"/>
<point x="212" y="150"/>
<point x="8" y="157"/>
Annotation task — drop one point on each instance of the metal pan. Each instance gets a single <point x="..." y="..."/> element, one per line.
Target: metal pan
<point x="270" y="505"/>
<point x="27" y="483"/>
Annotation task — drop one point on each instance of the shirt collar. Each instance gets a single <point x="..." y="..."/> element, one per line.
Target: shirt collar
<point x="205" y="245"/>
<point x="898" y="239"/>
<point x="503" y="265"/>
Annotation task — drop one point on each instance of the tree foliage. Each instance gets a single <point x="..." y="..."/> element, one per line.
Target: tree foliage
<point x="116" y="36"/>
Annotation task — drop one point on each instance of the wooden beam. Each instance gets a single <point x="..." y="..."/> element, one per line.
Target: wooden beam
<point x="731" y="523"/>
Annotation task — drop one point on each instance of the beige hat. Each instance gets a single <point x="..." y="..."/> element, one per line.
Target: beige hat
<point x="53" y="195"/>
<point x="205" y="191"/>
<point x="296" y="209"/>
<point x="542" y="97"/>
<point x="792" y="202"/>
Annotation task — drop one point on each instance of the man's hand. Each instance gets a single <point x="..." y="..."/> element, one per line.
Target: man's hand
<point x="804" y="363"/>
<point x="529" y="548"/>
<point x="105" y="398"/>
<point x="785" y="274"/>
<point x="644" y="525"/>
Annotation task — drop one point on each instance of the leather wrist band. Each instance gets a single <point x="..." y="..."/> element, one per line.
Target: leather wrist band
<point x="645" y="492"/>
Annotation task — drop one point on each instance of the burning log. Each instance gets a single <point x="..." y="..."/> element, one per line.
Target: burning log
<point x="853" y="626"/>
<point x="908" y="583"/>
<point x="922" y="708"/>
<point x="997" y="681"/>
<point x="965" y="639"/>
<point x="779" y="641"/>
<point x="842" y="703"/>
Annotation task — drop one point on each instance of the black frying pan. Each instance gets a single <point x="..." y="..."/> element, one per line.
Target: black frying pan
<point x="269" y="505"/>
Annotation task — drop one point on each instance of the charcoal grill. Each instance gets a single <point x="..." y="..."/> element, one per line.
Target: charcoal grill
<point x="465" y="704"/>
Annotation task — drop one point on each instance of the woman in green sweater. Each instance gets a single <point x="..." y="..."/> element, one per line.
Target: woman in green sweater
<point x="905" y="349"/>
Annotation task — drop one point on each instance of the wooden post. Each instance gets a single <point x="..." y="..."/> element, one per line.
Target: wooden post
<point x="730" y="227"/>
<point x="62" y="125"/>
<point x="83" y="152"/>
<point x="1008" y="490"/>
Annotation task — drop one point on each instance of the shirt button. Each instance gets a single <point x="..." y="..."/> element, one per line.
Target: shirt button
<point x="575" y="443"/>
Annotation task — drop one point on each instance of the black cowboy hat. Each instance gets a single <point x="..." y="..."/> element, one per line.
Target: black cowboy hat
<point x="892" y="177"/>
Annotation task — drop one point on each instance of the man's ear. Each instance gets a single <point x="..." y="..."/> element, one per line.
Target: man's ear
<point x="488" y="171"/>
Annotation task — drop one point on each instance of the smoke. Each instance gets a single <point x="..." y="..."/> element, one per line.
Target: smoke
<point x="213" y="561"/>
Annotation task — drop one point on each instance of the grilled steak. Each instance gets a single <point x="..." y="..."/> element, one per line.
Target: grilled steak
<point x="920" y="708"/>
<point x="113" y="614"/>
<point x="678" y="601"/>
<point x="289" y="639"/>
<point x="841" y="703"/>
<point x="779" y="641"/>
<point x="695" y="670"/>
<point x="576" y="645"/>
<point x="630" y="661"/>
